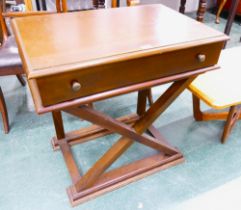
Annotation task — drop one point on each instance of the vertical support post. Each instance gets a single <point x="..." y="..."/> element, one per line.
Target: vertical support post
<point x="201" y="10"/>
<point x="198" y="115"/>
<point x="58" y="124"/>
<point x="182" y="6"/>
<point x="141" y="102"/>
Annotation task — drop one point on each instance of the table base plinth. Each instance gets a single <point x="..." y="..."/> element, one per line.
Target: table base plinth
<point x="124" y="175"/>
<point x="115" y="178"/>
<point x="133" y="128"/>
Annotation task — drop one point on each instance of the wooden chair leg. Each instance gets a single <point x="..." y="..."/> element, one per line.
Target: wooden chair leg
<point x="182" y="6"/>
<point x="197" y="113"/>
<point x="232" y="118"/>
<point x="220" y="8"/>
<point x="132" y="2"/>
<point x="201" y="10"/>
<point x="21" y="80"/>
<point x="4" y="112"/>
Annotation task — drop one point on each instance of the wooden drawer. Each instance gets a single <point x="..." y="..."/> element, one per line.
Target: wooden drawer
<point x="59" y="88"/>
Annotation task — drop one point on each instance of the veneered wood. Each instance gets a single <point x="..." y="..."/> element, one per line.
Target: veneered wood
<point x="58" y="88"/>
<point x="55" y="53"/>
<point x="141" y="101"/>
<point x="124" y="175"/>
<point x="111" y="93"/>
<point x="69" y="160"/>
<point x="220" y="8"/>
<point x="109" y="123"/>
<point x="149" y="41"/>
<point x="58" y="124"/>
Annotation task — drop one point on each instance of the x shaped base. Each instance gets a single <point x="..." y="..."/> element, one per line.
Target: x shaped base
<point x="132" y="128"/>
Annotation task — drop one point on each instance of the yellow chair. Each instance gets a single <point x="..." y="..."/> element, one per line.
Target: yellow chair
<point x="220" y="89"/>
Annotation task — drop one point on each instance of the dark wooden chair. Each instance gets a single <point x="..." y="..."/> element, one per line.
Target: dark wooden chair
<point x="10" y="62"/>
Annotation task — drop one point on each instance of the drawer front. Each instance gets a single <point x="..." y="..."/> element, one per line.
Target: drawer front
<point x="66" y="86"/>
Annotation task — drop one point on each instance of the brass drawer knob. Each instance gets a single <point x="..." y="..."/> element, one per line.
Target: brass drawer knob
<point x="76" y="86"/>
<point x="201" y="57"/>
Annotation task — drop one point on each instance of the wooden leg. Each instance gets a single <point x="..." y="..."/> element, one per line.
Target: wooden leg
<point x="201" y="10"/>
<point x="132" y="2"/>
<point x="64" y="146"/>
<point x="220" y="8"/>
<point x="198" y="115"/>
<point x="21" y="80"/>
<point x="114" y="3"/>
<point x="58" y="6"/>
<point x="124" y="143"/>
<point x="233" y="116"/>
<point x="182" y="6"/>
<point x="58" y="124"/>
<point x="95" y="4"/>
<point x="109" y="123"/>
<point x="92" y="132"/>
<point x="64" y="6"/>
<point x="4" y="112"/>
<point x="141" y="101"/>
<point x="96" y="181"/>
<point x="231" y="16"/>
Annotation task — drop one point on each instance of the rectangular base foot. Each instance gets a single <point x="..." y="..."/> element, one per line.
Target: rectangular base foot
<point x="124" y="175"/>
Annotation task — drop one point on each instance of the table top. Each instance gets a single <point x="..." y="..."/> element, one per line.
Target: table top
<point x="221" y="89"/>
<point x="57" y="43"/>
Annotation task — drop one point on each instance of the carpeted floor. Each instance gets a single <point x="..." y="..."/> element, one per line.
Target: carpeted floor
<point x="33" y="177"/>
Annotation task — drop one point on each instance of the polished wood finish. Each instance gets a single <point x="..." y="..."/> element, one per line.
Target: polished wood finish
<point x="106" y="79"/>
<point x="149" y="54"/>
<point x="233" y="116"/>
<point x="82" y="59"/>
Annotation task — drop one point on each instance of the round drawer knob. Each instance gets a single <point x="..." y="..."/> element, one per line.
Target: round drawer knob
<point x="76" y="86"/>
<point x="201" y="57"/>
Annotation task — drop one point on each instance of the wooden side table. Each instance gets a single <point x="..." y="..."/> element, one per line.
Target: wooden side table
<point x="65" y="74"/>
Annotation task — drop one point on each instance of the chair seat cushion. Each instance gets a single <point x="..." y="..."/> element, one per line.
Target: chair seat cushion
<point x="221" y="88"/>
<point x="9" y="54"/>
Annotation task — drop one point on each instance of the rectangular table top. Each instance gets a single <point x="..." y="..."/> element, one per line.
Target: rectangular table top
<point x="57" y="43"/>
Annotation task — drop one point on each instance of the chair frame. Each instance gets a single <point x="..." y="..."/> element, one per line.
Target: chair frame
<point x="13" y="70"/>
<point x="231" y="117"/>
